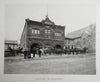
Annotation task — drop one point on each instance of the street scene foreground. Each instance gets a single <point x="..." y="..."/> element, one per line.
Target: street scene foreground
<point x="82" y="64"/>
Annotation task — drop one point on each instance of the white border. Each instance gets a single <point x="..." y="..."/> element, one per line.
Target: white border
<point x="46" y="77"/>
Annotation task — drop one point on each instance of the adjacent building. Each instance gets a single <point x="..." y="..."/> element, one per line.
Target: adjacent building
<point x="84" y="37"/>
<point x="10" y="45"/>
<point x="42" y="34"/>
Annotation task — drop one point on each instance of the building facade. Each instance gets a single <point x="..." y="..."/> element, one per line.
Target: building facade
<point x="42" y="34"/>
<point x="69" y="42"/>
<point x="10" y="43"/>
<point x="83" y="38"/>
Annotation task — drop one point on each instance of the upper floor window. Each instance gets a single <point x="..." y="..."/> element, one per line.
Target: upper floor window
<point x="35" y="31"/>
<point x="47" y="31"/>
<point x="57" y="34"/>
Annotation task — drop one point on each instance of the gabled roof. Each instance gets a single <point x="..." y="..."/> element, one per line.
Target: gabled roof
<point x="32" y="21"/>
<point x="47" y="21"/>
<point x="79" y="32"/>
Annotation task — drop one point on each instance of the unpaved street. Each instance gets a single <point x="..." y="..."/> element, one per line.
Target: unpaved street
<point x="65" y="64"/>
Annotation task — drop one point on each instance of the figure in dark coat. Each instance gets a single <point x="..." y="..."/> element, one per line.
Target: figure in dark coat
<point x="39" y="52"/>
<point x="25" y="54"/>
<point x="34" y="51"/>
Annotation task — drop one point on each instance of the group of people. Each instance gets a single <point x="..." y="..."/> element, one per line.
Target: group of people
<point x="12" y="52"/>
<point x="34" y="51"/>
<point x="75" y="51"/>
<point x="45" y="51"/>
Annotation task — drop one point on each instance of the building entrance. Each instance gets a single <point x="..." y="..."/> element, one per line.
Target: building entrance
<point x="34" y="46"/>
<point x="58" y="46"/>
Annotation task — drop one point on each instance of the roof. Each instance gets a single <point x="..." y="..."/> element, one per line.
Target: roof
<point x="32" y="21"/>
<point x="46" y="21"/>
<point x="11" y="42"/>
<point x="79" y="32"/>
<point x="68" y="38"/>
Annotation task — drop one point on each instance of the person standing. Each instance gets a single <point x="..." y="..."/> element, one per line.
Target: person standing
<point x="42" y="51"/>
<point x="34" y="51"/>
<point x="25" y="54"/>
<point x="39" y="52"/>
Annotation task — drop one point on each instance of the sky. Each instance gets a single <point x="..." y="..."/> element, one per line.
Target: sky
<point x="72" y="16"/>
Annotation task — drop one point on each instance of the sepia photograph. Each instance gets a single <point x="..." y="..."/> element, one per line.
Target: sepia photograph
<point x="50" y="38"/>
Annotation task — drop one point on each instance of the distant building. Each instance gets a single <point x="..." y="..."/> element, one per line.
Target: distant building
<point x="84" y="37"/>
<point x="10" y="43"/>
<point x="69" y="42"/>
<point x="42" y="34"/>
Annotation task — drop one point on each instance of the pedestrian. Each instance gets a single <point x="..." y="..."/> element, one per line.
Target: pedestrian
<point x="25" y="54"/>
<point x="34" y="51"/>
<point x="39" y="52"/>
<point x="42" y="51"/>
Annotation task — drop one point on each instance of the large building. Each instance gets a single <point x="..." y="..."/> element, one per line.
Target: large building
<point x="81" y="38"/>
<point x="42" y="34"/>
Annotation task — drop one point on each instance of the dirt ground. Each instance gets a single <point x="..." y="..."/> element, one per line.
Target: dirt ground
<point x="83" y="64"/>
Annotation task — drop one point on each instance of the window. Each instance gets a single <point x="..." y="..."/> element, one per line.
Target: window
<point x="47" y="31"/>
<point x="57" y="34"/>
<point x="38" y="32"/>
<point x="35" y="31"/>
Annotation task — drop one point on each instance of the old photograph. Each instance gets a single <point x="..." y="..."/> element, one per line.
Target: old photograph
<point x="50" y="38"/>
